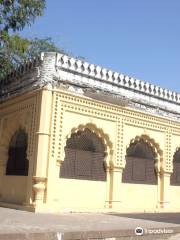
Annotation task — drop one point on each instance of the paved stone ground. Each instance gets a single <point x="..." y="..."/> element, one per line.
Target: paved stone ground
<point x="17" y="225"/>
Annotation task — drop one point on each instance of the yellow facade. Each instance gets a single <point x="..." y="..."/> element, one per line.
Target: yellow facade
<point x="50" y="116"/>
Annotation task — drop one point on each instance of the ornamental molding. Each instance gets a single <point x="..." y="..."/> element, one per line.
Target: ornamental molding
<point x="176" y="150"/>
<point x="99" y="132"/>
<point x="109" y="77"/>
<point x="54" y="70"/>
<point x="109" y="80"/>
<point x="97" y="109"/>
<point x="123" y="101"/>
<point x="22" y="116"/>
<point x="103" y="137"/>
<point x="156" y="148"/>
<point x="66" y="102"/>
<point x="21" y="80"/>
<point x="150" y="141"/>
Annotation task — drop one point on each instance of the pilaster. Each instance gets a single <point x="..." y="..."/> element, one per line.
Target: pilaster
<point x="167" y="170"/>
<point x="43" y="137"/>
<point x="116" y="189"/>
<point x="165" y="189"/>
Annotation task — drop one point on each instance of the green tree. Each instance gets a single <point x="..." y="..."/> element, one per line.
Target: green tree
<point x="18" y="50"/>
<point x="16" y="14"/>
<point x="12" y="53"/>
<point x="14" y="50"/>
<point x="37" y="45"/>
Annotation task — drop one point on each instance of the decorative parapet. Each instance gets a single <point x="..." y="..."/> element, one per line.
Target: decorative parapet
<point x="35" y="73"/>
<point x="22" y="78"/>
<point x="114" y="78"/>
<point x="57" y="70"/>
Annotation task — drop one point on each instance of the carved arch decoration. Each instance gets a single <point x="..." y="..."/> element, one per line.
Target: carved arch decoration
<point x="9" y="127"/>
<point x="18" y="163"/>
<point x="99" y="132"/>
<point x="175" y="176"/>
<point x="143" y="161"/>
<point x="156" y="149"/>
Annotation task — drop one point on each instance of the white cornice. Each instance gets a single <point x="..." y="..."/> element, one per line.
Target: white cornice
<point x="111" y="78"/>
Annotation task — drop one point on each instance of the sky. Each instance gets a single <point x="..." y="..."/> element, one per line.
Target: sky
<point x="139" y="38"/>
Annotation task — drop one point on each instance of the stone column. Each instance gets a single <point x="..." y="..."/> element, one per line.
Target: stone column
<point x="159" y="190"/>
<point x="116" y="187"/>
<point x="166" y="170"/>
<point x="42" y="155"/>
<point x="158" y="169"/>
<point x="165" y="189"/>
<point x="108" y="203"/>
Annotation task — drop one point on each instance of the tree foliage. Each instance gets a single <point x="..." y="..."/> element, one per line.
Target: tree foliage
<point x="12" y="53"/>
<point x="16" y="14"/>
<point x="18" y="50"/>
<point x="37" y="45"/>
<point x="15" y="50"/>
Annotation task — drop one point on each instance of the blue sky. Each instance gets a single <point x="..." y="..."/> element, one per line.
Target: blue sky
<point x="140" y="38"/>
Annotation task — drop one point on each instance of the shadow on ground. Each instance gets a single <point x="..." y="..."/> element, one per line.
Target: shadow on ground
<point x="157" y="217"/>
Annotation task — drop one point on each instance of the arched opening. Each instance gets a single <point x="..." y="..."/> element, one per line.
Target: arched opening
<point x="84" y="157"/>
<point x="175" y="176"/>
<point x="140" y="164"/>
<point x="17" y="163"/>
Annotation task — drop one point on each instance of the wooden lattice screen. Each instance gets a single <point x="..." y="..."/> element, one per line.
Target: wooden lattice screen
<point x="84" y="157"/>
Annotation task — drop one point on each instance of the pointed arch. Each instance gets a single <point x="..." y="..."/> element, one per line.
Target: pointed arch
<point x="175" y="176"/>
<point x="17" y="163"/>
<point x="86" y="151"/>
<point x="99" y="132"/>
<point x="150" y="141"/>
<point x="143" y="161"/>
<point x="7" y="133"/>
<point x="85" y="140"/>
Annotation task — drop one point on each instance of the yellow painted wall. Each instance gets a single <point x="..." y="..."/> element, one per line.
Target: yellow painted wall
<point x="79" y="194"/>
<point x="18" y="113"/>
<point x="15" y="189"/>
<point x="70" y="193"/>
<point x="174" y="197"/>
<point x="50" y="117"/>
<point x="139" y="196"/>
<point x="121" y="125"/>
